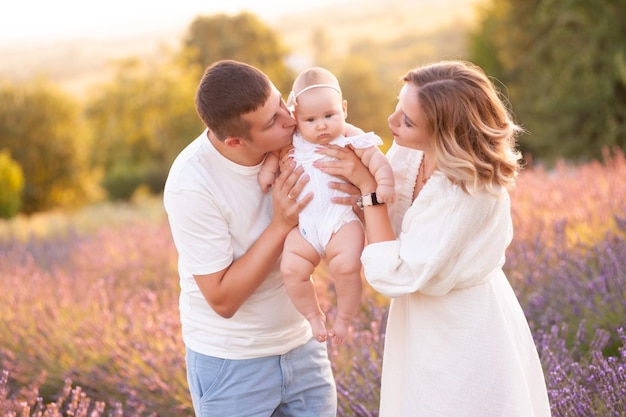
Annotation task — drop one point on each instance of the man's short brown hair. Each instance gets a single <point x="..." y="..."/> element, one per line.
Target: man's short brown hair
<point x="228" y="90"/>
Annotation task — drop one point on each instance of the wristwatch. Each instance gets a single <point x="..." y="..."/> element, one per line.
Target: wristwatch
<point x="367" y="200"/>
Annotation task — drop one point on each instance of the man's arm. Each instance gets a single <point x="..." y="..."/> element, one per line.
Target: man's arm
<point x="228" y="289"/>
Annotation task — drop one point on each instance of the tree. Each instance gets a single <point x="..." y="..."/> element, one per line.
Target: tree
<point x="42" y="129"/>
<point x="11" y="184"/>
<point x="242" y="38"/>
<point x="563" y="63"/>
<point x="371" y="72"/>
<point x="322" y="48"/>
<point x="369" y="101"/>
<point x="142" y="119"/>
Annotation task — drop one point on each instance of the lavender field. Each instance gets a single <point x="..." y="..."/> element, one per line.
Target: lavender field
<point x="89" y="305"/>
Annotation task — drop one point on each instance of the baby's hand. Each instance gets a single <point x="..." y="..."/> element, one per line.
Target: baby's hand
<point x="266" y="180"/>
<point x="285" y="154"/>
<point x="385" y="194"/>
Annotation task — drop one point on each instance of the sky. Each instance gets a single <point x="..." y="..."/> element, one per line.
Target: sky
<point x="55" y="20"/>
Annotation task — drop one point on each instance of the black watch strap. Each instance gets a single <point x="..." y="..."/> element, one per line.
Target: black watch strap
<point x="367" y="200"/>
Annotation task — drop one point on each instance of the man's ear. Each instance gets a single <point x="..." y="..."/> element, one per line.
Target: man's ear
<point x="234" y="142"/>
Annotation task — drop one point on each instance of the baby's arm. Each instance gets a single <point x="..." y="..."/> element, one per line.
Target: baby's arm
<point x="268" y="172"/>
<point x="271" y="167"/>
<point x="379" y="166"/>
<point x="352" y="130"/>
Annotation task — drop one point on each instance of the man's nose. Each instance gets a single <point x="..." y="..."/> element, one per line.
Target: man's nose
<point x="289" y="121"/>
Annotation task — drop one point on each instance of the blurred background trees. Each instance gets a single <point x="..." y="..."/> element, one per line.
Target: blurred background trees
<point x="243" y="38"/>
<point x="561" y="64"/>
<point x="367" y="95"/>
<point x="11" y="185"/>
<point x="141" y="120"/>
<point x="42" y="129"/>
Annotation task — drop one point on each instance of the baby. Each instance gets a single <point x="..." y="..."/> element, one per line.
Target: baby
<point x="326" y="229"/>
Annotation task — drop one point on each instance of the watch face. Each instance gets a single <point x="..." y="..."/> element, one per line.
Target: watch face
<point x="367" y="200"/>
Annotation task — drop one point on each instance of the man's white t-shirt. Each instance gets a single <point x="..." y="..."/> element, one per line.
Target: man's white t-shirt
<point x="216" y="211"/>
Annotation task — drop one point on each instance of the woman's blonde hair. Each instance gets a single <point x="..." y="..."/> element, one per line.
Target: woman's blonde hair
<point x="474" y="134"/>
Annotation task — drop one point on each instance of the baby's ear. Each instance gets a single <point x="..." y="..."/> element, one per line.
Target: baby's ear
<point x="344" y="104"/>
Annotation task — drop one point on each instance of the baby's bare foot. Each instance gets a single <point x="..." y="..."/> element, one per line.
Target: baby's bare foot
<point x="318" y="326"/>
<point x="340" y="330"/>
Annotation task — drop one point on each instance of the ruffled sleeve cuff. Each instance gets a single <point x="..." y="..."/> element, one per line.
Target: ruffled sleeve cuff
<point x="364" y="140"/>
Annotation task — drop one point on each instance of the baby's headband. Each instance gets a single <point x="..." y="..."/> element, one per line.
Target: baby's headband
<point x="291" y="101"/>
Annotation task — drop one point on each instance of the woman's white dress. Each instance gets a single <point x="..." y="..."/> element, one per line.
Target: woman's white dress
<point x="457" y="341"/>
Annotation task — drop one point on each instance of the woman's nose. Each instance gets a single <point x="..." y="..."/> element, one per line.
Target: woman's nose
<point x="392" y="119"/>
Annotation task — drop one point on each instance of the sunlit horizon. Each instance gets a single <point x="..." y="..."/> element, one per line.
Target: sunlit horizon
<point x="44" y="21"/>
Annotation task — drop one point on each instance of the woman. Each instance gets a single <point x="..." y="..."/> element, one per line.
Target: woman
<point x="457" y="342"/>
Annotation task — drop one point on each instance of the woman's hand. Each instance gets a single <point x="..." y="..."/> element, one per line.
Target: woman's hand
<point x="353" y="193"/>
<point x="349" y="167"/>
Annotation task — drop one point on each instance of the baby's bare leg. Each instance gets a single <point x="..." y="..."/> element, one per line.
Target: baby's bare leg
<point x="343" y="253"/>
<point x="297" y="264"/>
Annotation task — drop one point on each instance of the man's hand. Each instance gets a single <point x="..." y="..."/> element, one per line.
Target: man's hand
<point x="286" y="195"/>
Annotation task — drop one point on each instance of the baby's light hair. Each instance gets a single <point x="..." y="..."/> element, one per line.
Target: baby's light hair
<point x="315" y="77"/>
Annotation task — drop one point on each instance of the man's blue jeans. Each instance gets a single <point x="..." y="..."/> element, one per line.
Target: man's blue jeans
<point x="299" y="384"/>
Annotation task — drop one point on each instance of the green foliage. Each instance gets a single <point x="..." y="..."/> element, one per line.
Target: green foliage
<point x="368" y="99"/>
<point x="142" y="119"/>
<point x="122" y="181"/>
<point x="242" y="38"/>
<point x="414" y="49"/>
<point x="11" y="185"/>
<point x="564" y="64"/>
<point x="370" y="74"/>
<point x="482" y="44"/>
<point x="42" y="129"/>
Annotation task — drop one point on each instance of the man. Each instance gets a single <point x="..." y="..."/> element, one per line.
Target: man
<point x="249" y="351"/>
